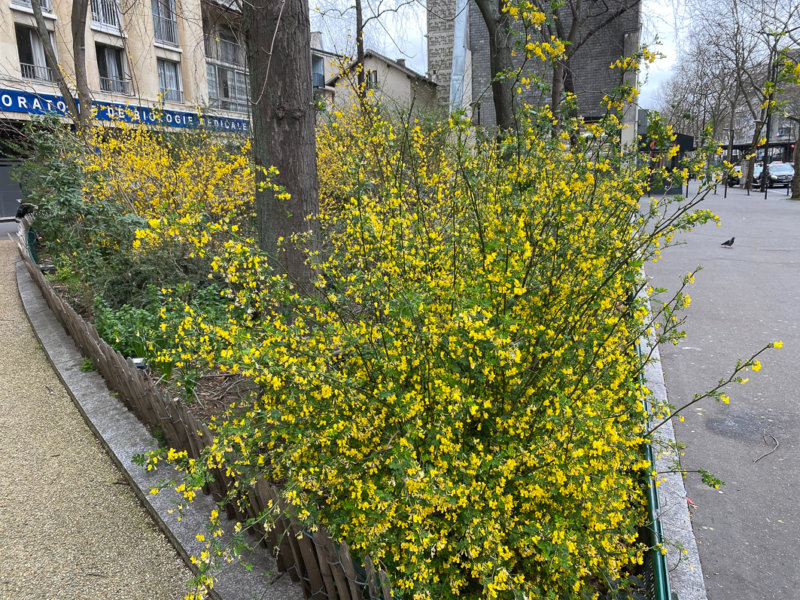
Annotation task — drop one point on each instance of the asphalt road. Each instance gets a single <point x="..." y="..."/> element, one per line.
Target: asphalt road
<point x="744" y="298"/>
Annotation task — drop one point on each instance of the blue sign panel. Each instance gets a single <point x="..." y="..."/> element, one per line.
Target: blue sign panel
<point x="39" y="104"/>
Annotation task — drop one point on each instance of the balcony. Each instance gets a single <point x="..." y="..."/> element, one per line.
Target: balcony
<point x="317" y="80"/>
<point x="37" y="72"/>
<point x="115" y="86"/>
<point x="106" y="14"/>
<point x="171" y="95"/>
<point x="238" y="106"/>
<point x="46" y="6"/>
<point x="225" y="51"/>
<point x="166" y="30"/>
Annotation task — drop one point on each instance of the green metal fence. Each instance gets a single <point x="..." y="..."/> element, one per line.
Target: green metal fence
<point x="655" y="574"/>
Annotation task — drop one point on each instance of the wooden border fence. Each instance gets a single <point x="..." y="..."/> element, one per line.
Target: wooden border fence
<point x="324" y="569"/>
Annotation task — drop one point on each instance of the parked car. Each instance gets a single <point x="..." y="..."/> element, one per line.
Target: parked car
<point x="780" y="174"/>
<point x="735" y="176"/>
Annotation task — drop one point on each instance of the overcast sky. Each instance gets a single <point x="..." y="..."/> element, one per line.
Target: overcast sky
<point x="402" y="34"/>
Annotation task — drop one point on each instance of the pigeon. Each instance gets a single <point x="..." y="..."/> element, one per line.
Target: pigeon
<point x="728" y="243"/>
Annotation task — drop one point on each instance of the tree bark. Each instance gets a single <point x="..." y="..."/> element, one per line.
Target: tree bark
<point x="283" y="119"/>
<point x="796" y="161"/>
<point x="360" y="53"/>
<point x="80" y="11"/>
<point x="52" y="63"/>
<point x="501" y="43"/>
<point x="751" y="163"/>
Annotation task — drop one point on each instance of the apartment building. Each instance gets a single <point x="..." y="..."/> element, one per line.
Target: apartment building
<point x="185" y="57"/>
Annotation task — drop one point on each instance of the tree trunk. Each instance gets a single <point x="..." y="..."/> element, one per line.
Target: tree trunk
<point x="279" y="59"/>
<point x="360" y="53"/>
<point x="52" y="63"/>
<point x="557" y="87"/>
<point x="752" y="161"/>
<point x="796" y="161"/>
<point x="80" y="11"/>
<point x="501" y="44"/>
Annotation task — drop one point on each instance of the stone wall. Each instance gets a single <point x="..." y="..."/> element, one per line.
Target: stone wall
<point x="441" y="14"/>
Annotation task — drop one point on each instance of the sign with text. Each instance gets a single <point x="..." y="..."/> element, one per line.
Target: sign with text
<point x="19" y="101"/>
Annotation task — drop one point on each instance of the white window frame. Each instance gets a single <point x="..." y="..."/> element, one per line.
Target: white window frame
<point x="170" y="94"/>
<point x="165" y="26"/>
<point x="120" y="84"/>
<point x="37" y="67"/>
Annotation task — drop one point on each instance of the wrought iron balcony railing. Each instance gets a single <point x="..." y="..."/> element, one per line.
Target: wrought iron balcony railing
<point x="166" y="30"/>
<point x="106" y="12"/>
<point x="225" y="51"/>
<point x="115" y="86"/>
<point x="46" y="6"/>
<point x="171" y="95"/>
<point x="36" y="72"/>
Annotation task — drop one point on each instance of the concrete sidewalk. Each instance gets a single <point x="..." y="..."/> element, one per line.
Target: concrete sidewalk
<point x="70" y="526"/>
<point x="744" y="298"/>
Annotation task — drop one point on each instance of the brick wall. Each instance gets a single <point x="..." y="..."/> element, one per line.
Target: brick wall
<point x="593" y="78"/>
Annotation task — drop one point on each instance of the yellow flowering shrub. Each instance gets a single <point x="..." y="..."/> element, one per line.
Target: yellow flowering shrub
<point x="130" y="206"/>
<point x="459" y="399"/>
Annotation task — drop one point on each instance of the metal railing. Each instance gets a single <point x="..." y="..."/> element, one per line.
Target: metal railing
<point x="45" y="4"/>
<point x="318" y="80"/>
<point x="240" y="106"/>
<point x="225" y="51"/>
<point x="36" y="72"/>
<point x="115" y="86"/>
<point x="166" y="30"/>
<point x="106" y="12"/>
<point x="170" y="95"/>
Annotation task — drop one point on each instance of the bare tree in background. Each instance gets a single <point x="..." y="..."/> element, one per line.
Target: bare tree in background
<point x="789" y="102"/>
<point x="365" y="12"/>
<point x="727" y="72"/>
<point x="279" y="60"/>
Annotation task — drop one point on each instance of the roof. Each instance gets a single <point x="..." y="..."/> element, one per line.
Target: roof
<point x="391" y="63"/>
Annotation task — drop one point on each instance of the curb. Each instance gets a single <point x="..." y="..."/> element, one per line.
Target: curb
<point x="123" y="436"/>
<point x="685" y="572"/>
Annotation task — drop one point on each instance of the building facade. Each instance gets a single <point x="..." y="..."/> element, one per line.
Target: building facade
<point x="392" y="83"/>
<point x="179" y="63"/>
<point x="186" y="57"/>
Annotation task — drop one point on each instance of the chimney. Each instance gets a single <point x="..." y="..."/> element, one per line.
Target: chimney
<point x="316" y="40"/>
<point x="401" y="62"/>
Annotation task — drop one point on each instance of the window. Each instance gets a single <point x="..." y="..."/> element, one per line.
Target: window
<point x="165" y="22"/>
<point x="223" y="45"/>
<point x="169" y="80"/>
<point x="45" y="4"/>
<point x="372" y="79"/>
<point x="229" y="49"/>
<point x="106" y="13"/>
<point x="32" y="61"/>
<point x="317" y="72"/>
<point x="227" y="88"/>
<point x="111" y="65"/>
